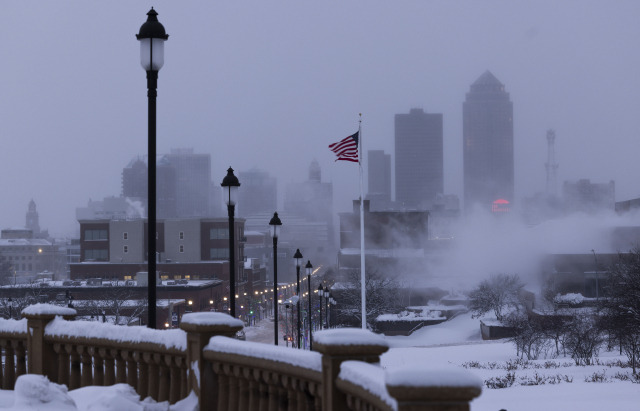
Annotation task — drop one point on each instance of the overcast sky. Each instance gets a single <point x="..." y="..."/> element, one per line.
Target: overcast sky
<point x="271" y="84"/>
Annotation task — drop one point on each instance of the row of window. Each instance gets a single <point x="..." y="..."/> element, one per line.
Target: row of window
<point x="16" y="258"/>
<point x="97" y="255"/>
<point x="96" y="234"/>
<point x="214" y="253"/>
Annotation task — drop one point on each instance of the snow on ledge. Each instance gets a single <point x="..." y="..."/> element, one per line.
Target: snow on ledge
<point x="131" y="334"/>
<point x="305" y="359"/>
<point x="13" y="326"/>
<point x="211" y="318"/>
<point x="43" y="309"/>
<point x="368" y="376"/>
<point x="420" y="377"/>
<point x="349" y="336"/>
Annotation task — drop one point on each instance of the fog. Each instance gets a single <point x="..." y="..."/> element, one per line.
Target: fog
<point x="271" y="85"/>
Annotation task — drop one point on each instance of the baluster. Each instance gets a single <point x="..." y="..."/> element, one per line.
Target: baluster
<point x="143" y="375"/>
<point x="163" y="375"/>
<point x="243" y="388"/>
<point x="264" y="393"/>
<point x="184" y="377"/>
<point x="63" y="364"/>
<point x="223" y="387"/>
<point x="134" y="370"/>
<point x="153" y="382"/>
<point x="21" y="360"/>
<point x="174" y="377"/>
<point x="274" y="402"/>
<point x="120" y="359"/>
<point x="2" y="379"/>
<point x="98" y="366"/>
<point x="254" y="389"/>
<point x="74" y="378"/>
<point x="109" y="364"/>
<point x="9" y="367"/>
<point x="233" y="387"/>
<point x="86" y="376"/>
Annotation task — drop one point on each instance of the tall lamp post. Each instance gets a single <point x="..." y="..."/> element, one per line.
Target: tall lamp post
<point x="298" y="257"/>
<point x="320" y="294"/>
<point x="231" y="184"/>
<point x="326" y="311"/>
<point x="274" y="226"/>
<point x="309" y="270"/>
<point x="152" y="37"/>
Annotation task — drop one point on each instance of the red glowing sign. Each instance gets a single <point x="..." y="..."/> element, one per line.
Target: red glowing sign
<point x="500" y="206"/>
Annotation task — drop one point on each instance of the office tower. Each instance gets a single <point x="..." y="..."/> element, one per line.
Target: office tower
<point x="488" y="145"/>
<point x="134" y="185"/>
<point x="379" y="179"/>
<point x="193" y="182"/>
<point x="258" y="193"/>
<point x="419" y="158"/>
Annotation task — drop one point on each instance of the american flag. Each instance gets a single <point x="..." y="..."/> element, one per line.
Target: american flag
<point x="347" y="148"/>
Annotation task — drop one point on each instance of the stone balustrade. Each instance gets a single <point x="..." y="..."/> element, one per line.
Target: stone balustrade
<point x="226" y="374"/>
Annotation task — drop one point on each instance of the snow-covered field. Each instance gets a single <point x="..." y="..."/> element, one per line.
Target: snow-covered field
<point x="453" y="344"/>
<point x="457" y="343"/>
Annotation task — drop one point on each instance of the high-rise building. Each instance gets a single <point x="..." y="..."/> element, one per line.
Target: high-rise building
<point x="488" y="145"/>
<point x="193" y="181"/>
<point x="379" y="179"/>
<point x="183" y="189"/>
<point x="32" y="219"/>
<point x="419" y="159"/>
<point x="257" y="194"/>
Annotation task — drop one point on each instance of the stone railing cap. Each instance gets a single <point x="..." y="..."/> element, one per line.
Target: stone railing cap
<point x="47" y="310"/>
<point x="418" y="377"/>
<point x="349" y="336"/>
<point x="349" y="341"/>
<point x="204" y="321"/>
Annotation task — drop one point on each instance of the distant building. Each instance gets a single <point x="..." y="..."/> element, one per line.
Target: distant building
<point x="191" y="249"/>
<point x="588" y="197"/>
<point x="379" y="179"/>
<point x="394" y="240"/>
<point x="419" y="159"/>
<point x="184" y="186"/>
<point x="312" y="201"/>
<point x="112" y="208"/>
<point x="488" y="145"/>
<point x="257" y="193"/>
<point x="32" y="219"/>
<point x="30" y="256"/>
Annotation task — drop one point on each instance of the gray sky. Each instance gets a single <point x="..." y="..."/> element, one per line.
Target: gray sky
<point x="271" y="84"/>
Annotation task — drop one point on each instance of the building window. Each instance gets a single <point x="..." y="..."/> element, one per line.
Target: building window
<point x="219" y="234"/>
<point x="219" y="253"/>
<point x="125" y="249"/>
<point x="181" y="235"/>
<point x="181" y="248"/>
<point x="97" y="255"/>
<point x="125" y="236"/>
<point x="128" y="277"/>
<point x="96" y="235"/>
<point x="164" y="277"/>
<point x="177" y="277"/>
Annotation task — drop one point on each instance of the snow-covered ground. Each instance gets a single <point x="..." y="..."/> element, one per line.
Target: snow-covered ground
<point x="452" y="344"/>
<point x="457" y="343"/>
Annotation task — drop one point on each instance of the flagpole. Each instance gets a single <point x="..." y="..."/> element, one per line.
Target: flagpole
<point x="362" y="269"/>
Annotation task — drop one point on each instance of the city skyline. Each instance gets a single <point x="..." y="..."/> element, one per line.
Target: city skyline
<point x="276" y="84"/>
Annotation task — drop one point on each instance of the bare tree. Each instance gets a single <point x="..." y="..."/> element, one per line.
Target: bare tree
<point x="583" y="339"/>
<point x="621" y="305"/>
<point x="6" y="271"/>
<point x="500" y="293"/>
<point x="381" y="293"/>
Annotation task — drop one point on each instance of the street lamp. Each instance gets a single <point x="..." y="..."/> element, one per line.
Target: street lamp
<point x="309" y="269"/>
<point x="298" y="257"/>
<point x="152" y="37"/>
<point x="332" y="302"/>
<point x="274" y="226"/>
<point x="10" y="308"/>
<point x="320" y="294"/>
<point x="231" y="184"/>
<point x="326" y="306"/>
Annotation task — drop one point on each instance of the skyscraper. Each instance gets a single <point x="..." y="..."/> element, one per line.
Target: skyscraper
<point x="258" y="193"/>
<point x="419" y="158"/>
<point x="488" y="145"/>
<point x="379" y="179"/>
